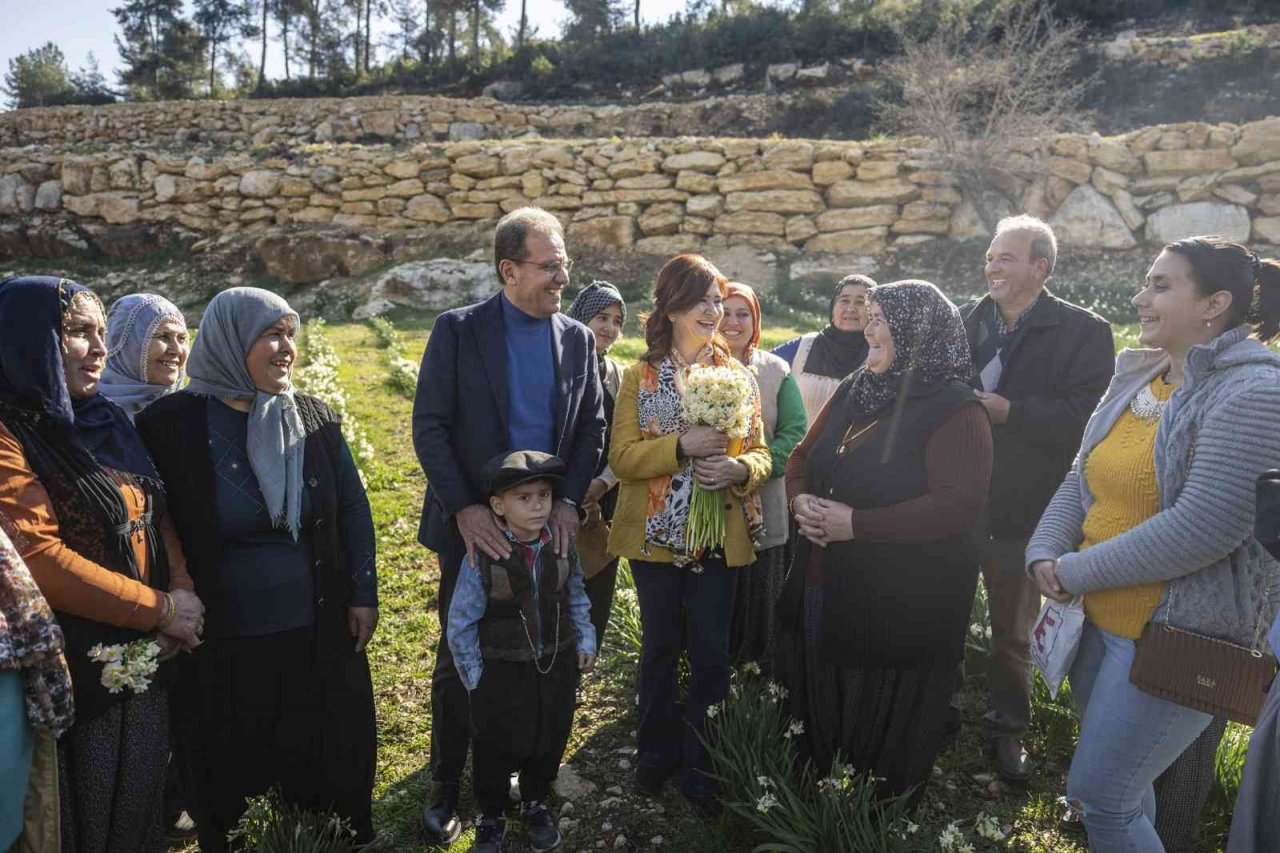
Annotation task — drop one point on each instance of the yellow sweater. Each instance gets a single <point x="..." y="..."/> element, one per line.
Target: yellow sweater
<point x="1121" y="476"/>
<point x="637" y="460"/>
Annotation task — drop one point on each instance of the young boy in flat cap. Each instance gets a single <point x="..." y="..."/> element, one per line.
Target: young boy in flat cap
<point x="520" y="631"/>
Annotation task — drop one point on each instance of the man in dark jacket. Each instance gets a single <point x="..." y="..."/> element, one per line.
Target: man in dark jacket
<point x="1040" y="367"/>
<point x="507" y="373"/>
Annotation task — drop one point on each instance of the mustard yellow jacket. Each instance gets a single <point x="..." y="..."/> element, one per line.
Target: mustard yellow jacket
<point x="635" y="460"/>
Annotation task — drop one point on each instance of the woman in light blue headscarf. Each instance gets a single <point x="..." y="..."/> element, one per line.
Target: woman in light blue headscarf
<point x="146" y="351"/>
<point x="266" y="496"/>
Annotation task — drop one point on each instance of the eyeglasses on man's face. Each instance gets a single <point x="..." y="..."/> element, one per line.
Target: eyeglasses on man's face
<point x="551" y="268"/>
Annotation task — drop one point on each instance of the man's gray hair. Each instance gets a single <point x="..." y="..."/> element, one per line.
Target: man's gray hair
<point x="1043" y="243"/>
<point x="513" y="230"/>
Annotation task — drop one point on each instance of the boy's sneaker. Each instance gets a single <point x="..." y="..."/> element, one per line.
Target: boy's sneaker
<point x="491" y="832"/>
<point x="544" y="835"/>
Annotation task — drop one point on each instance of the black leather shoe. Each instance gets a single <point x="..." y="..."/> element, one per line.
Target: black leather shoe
<point x="648" y="781"/>
<point x="441" y="825"/>
<point x="1012" y="762"/>
<point x="491" y="835"/>
<point x="544" y="835"/>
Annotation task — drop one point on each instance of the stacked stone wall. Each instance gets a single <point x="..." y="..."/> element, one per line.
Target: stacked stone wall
<point x="399" y="119"/>
<point x="661" y="196"/>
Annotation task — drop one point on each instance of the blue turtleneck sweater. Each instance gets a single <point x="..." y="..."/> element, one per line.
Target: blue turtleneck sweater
<point x="531" y="380"/>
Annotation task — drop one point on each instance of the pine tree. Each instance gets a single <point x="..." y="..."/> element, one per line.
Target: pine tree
<point x="37" y="77"/>
<point x="219" y="21"/>
<point x="88" y="85"/>
<point x="149" y="28"/>
<point x="591" y="19"/>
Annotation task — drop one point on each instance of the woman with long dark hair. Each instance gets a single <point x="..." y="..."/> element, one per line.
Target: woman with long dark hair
<point x="81" y="500"/>
<point x="685" y="594"/>
<point x="1154" y="522"/>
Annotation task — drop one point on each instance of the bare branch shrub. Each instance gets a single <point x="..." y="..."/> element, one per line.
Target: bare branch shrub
<point x="975" y="90"/>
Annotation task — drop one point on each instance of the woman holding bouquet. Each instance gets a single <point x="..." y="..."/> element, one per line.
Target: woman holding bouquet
<point x="885" y="488"/>
<point x="82" y="503"/>
<point x="668" y="464"/>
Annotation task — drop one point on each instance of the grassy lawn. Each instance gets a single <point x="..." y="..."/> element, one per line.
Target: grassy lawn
<point x="602" y="747"/>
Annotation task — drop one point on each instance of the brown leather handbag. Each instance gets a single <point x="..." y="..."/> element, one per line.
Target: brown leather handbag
<point x="1204" y="673"/>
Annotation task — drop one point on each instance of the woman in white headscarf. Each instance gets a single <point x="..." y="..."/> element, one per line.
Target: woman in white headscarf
<point x="146" y="351"/>
<point x="266" y="496"/>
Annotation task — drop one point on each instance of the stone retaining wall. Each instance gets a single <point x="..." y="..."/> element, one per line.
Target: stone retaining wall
<point x="662" y="196"/>
<point x="405" y="119"/>
<point x="1182" y="51"/>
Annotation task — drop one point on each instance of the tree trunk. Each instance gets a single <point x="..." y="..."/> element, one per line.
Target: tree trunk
<point x="285" y="38"/>
<point x="262" y="65"/>
<point x="426" y="32"/>
<point x="313" y="18"/>
<point x="213" y="63"/>
<point x="524" y="21"/>
<point x="475" y="34"/>
<point x="453" y="39"/>
<point x="368" y="31"/>
<point x="637" y="15"/>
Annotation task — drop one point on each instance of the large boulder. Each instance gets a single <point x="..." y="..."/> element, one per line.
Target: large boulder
<point x="604" y="232"/>
<point x="1199" y="217"/>
<point x="748" y="265"/>
<point x="16" y="195"/>
<point x="434" y="285"/>
<point x="308" y="257"/>
<point x="1087" y="218"/>
<point x="1259" y="143"/>
<point x="260" y="183"/>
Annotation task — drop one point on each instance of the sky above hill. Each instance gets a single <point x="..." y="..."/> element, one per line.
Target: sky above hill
<point x="79" y="27"/>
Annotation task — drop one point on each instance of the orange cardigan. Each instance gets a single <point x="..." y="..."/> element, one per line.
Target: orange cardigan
<point x="69" y="582"/>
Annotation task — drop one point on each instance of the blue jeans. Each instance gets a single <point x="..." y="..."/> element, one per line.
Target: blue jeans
<point x="15" y="755"/>
<point x="1127" y="739"/>
<point x="678" y="607"/>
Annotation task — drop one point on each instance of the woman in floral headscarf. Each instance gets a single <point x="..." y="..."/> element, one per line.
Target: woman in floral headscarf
<point x="35" y="703"/>
<point x="146" y="351"/>
<point x="885" y="488"/>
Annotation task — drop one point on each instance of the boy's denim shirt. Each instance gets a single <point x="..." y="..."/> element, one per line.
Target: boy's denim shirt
<point x="467" y="608"/>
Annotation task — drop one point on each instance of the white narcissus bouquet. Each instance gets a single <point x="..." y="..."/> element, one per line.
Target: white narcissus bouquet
<point x="127" y="664"/>
<point x="721" y="398"/>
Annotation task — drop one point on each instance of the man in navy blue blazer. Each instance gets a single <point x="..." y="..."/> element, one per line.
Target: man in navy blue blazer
<point x="510" y="373"/>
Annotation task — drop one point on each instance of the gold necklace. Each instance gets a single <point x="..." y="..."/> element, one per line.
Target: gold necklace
<point x="849" y="439"/>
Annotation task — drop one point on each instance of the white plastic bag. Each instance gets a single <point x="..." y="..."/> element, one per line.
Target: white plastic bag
<point x="1055" y="636"/>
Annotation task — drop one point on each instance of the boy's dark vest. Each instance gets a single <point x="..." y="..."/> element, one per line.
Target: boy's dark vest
<point x="546" y="624"/>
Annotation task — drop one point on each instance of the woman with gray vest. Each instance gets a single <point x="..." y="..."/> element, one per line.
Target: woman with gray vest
<point x="757" y="586"/>
<point x="1154" y="522"/>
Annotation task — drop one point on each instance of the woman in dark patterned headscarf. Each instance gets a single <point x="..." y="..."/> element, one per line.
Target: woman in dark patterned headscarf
<point x="82" y="503"/>
<point x="885" y="488"/>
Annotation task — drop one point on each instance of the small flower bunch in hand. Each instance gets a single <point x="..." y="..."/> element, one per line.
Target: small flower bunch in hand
<point x="127" y="664"/>
<point x="723" y="399"/>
